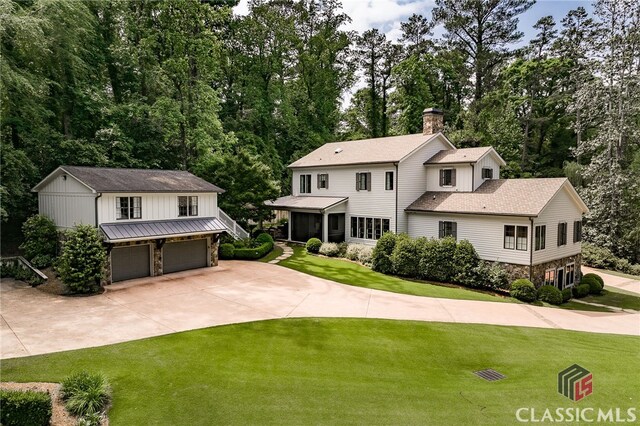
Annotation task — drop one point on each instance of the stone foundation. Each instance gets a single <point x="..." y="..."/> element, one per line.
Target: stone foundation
<point x="213" y="240"/>
<point x="537" y="274"/>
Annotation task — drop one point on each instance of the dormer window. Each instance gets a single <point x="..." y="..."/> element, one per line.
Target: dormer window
<point x="487" y="173"/>
<point x="305" y="184"/>
<point x="187" y="206"/>
<point x="128" y="207"/>
<point x="447" y="177"/>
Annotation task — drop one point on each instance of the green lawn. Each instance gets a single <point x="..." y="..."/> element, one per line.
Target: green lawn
<point x="615" y="297"/>
<point x="277" y="251"/>
<point x="350" y="371"/>
<point x="351" y="273"/>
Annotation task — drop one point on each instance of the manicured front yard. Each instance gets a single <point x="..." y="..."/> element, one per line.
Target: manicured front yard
<point x="277" y="251"/>
<point x="351" y="371"/>
<point x="351" y="273"/>
<point x="615" y="297"/>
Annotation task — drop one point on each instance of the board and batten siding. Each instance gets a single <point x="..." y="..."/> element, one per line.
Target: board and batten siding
<point x="156" y="206"/>
<point x="378" y="203"/>
<point x="485" y="232"/>
<point x="464" y="177"/>
<point x="67" y="202"/>
<point x="485" y="162"/>
<point x="412" y="178"/>
<point x="561" y="208"/>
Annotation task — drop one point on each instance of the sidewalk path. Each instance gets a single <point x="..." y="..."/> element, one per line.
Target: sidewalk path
<point x="33" y="322"/>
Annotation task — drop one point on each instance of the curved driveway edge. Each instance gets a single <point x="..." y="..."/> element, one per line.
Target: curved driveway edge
<point x="33" y="322"/>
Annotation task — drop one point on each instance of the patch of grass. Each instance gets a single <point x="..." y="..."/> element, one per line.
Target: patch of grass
<point x="615" y="297"/>
<point x="351" y="273"/>
<point x="277" y="251"/>
<point x="345" y="371"/>
<point x="577" y="306"/>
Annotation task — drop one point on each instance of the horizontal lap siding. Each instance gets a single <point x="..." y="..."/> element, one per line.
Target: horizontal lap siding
<point x="67" y="202"/>
<point x="560" y="209"/>
<point x="486" y="233"/>
<point x="412" y="179"/>
<point x="157" y="206"/>
<point x="342" y="183"/>
<point x="463" y="178"/>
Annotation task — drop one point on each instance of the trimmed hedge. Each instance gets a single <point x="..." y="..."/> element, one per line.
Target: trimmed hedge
<point x="550" y="294"/>
<point x="313" y="245"/>
<point x="566" y="295"/>
<point x="594" y="276"/>
<point x="25" y="408"/>
<point x="523" y="290"/>
<point x="253" y="252"/>
<point x="595" y="286"/>
<point x="381" y="256"/>
<point x="226" y="251"/>
<point x="581" y="291"/>
<point x="264" y="238"/>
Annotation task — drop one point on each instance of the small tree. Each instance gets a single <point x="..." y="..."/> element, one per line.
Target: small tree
<point x="40" y="237"/>
<point x="83" y="258"/>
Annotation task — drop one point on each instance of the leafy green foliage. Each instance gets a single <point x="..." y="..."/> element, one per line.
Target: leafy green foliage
<point x="264" y="238"/>
<point x="406" y="256"/>
<point x="567" y="293"/>
<point x="81" y="263"/>
<point x="581" y="290"/>
<point x="40" y="239"/>
<point x="594" y="282"/>
<point x="25" y="408"/>
<point x="329" y="249"/>
<point x="252" y="253"/>
<point x="226" y="251"/>
<point x="523" y="289"/>
<point x="86" y="394"/>
<point x="381" y="256"/>
<point x="465" y="260"/>
<point x="490" y="275"/>
<point x="313" y="245"/>
<point x="550" y="294"/>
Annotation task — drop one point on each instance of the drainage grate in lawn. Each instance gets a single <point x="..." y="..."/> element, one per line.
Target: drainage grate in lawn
<point x="489" y="375"/>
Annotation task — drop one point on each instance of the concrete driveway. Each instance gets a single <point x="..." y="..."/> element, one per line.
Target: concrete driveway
<point x="622" y="283"/>
<point x="34" y="322"/>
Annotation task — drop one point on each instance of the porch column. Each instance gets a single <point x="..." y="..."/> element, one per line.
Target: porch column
<point x="325" y="227"/>
<point x="289" y="225"/>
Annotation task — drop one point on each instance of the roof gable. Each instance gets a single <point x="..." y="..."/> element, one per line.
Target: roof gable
<point x="464" y="155"/>
<point x="390" y="149"/>
<point x="104" y="179"/>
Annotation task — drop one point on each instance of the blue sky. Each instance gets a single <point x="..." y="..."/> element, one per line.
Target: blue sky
<point x="386" y="15"/>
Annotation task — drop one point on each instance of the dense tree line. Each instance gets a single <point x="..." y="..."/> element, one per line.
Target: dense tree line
<point x="185" y="84"/>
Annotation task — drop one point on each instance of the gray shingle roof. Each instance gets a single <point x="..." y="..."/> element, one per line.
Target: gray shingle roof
<point x="463" y="155"/>
<point x="161" y="228"/>
<point x="513" y="197"/>
<point x="379" y="150"/>
<point x="305" y="202"/>
<point x="103" y="179"/>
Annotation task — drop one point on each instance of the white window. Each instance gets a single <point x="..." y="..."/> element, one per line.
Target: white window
<point x="562" y="234"/>
<point x="448" y="177"/>
<point x="388" y="181"/>
<point x="370" y="228"/>
<point x="522" y="237"/>
<point x="305" y="184"/>
<point x="487" y="173"/>
<point x="363" y="181"/>
<point x="128" y="207"/>
<point x="516" y="237"/>
<point x="187" y="205"/>
<point x="509" y="237"/>
<point x="550" y="277"/>
<point x="323" y="181"/>
<point x="570" y="273"/>
<point x="577" y="231"/>
<point x="541" y="237"/>
<point x="447" y="229"/>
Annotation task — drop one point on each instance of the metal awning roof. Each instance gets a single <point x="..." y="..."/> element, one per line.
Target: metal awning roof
<point x="130" y="231"/>
<point x="291" y="202"/>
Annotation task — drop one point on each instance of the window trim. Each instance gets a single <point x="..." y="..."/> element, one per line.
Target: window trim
<point x="452" y="177"/>
<point x="516" y="237"/>
<point x="562" y="236"/>
<point x="489" y="169"/>
<point x="367" y="181"/>
<point x="526" y="238"/>
<point x="323" y="178"/>
<point x="550" y="281"/>
<point x="389" y="184"/>
<point x="362" y="227"/>
<point x="577" y="231"/>
<point x="189" y="206"/>
<point x="540" y="243"/>
<point x="442" y="229"/>
<point x="570" y="266"/>
<point x="504" y="237"/>
<point x="305" y="188"/>
<point x="130" y="208"/>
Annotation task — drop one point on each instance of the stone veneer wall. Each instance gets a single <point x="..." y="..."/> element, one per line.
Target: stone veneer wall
<point x="539" y="270"/>
<point x="212" y="243"/>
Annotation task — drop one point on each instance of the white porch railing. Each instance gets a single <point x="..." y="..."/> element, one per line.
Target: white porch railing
<point x="234" y="229"/>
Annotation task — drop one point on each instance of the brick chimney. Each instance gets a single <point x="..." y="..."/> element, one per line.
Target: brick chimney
<point x="432" y="121"/>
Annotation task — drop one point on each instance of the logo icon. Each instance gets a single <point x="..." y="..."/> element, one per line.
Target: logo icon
<point x="575" y="382"/>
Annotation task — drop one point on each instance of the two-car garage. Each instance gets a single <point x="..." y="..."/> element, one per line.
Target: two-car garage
<point x="135" y="261"/>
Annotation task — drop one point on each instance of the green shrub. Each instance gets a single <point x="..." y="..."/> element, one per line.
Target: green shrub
<point x="353" y="252"/>
<point x="313" y="245"/>
<point x="365" y="254"/>
<point x="406" y="256"/>
<point x="81" y="264"/>
<point x="445" y="252"/>
<point x="466" y="261"/>
<point x="41" y="261"/>
<point x="226" y="251"/>
<point x="93" y="419"/>
<point x="342" y="249"/>
<point x="25" y="408"/>
<point x="329" y="249"/>
<point x="252" y="253"/>
<point x="550" y="294"/>
<point x="566" y="295"/>
<point x="597" y="257"/>
<point x="581" y="291"/>
<point x="264" y="238"/>
<point x="242" y="243"/>
<point x="491" y="275"/>
<point x="594" y="276"/>
<point x="381" y="255"/>
<point x="591" y="280"/>
<point x="523" y="290"/>
<point x="40" y="237"/>
<point x="85" y="393"/>
<point x="428" y="258"/>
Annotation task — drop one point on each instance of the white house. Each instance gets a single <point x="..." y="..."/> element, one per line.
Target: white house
<point x="153" y="221"/>
<point x="422" y="185"/>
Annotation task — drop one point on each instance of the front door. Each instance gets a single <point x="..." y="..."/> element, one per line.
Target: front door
<point x="560" y="278"/>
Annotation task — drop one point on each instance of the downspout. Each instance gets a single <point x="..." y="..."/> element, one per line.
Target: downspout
<point x="396" y="188"/>
<point x="473" y="177"/>
<point x="96" y="204"/>
<point x="531" y="252"/>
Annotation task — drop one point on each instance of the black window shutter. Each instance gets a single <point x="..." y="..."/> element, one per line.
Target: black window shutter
<point x="318" y="181"/>
<point x="559" y="234"/>
<point x="453" y="177"/>
<point x="441" y="178"/>
<point x="440" y="229"/>
<point x="326" y="181"/>
<point x="357" y="181"/>
<point x="454" y="229"/>
<point x="369" y="181"/>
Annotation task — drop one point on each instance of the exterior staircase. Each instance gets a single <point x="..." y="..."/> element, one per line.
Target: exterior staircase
<point x="235" y="230"/>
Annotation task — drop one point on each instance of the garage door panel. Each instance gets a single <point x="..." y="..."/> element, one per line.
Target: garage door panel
<point x="130" y="262"/>
<point x="183" y="255"/>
